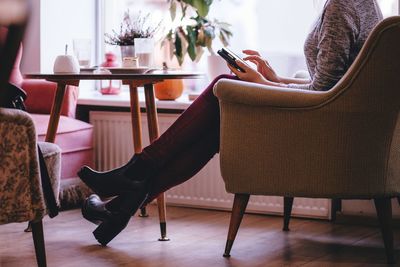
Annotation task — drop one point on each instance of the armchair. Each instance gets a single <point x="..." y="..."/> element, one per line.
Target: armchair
<point x="21" y="196"/>
<point x="342" y="143"/>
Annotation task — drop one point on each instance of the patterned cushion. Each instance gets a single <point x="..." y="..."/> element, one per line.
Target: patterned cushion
<point x="21" y="197"/>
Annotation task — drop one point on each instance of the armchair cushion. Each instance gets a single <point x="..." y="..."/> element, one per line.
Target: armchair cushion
<point x="21" y="197"/>
<point x="74" y="137"/>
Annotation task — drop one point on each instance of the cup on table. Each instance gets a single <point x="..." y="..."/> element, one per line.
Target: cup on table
<point x="83" y="51"/>
<point x="144" y="50"/>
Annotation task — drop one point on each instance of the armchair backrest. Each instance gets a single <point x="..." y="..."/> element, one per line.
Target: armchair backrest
<point x="371" y="84"/>
<point x="368" y="98"/>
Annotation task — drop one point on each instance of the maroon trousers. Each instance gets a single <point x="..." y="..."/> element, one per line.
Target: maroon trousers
<point x="188" y="144"/>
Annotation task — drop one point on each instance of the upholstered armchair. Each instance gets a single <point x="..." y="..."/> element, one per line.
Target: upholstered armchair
<point x="342" y="143"/>
<point x="21" y="195"/>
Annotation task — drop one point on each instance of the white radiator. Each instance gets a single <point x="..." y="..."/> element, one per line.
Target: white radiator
<point x="114" y="146"/>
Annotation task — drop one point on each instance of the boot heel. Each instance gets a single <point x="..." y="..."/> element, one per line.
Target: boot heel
<point x="109" y="229"/>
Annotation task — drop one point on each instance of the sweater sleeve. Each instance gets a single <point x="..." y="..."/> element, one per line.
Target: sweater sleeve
<point x="337" y="33"/>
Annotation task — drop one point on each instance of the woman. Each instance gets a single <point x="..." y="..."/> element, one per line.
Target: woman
<point x="193" y="139"/>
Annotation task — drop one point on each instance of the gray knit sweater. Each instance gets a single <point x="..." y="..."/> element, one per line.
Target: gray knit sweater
<point x="336" y="40"/>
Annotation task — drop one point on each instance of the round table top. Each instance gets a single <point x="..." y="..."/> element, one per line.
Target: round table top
<point x="86" y="75"/>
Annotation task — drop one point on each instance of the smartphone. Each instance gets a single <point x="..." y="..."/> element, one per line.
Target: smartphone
<point x="231" y="58"/>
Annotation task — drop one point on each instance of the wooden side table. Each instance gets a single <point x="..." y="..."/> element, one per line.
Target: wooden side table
<point x="134" y="81"/>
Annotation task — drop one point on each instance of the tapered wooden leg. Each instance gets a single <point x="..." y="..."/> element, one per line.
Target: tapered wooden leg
<point x="136" y="128"/>
<point x="384" y="211"/>
<point x="135" y="118"/>
<point x="162" y="216"/>
<point x="238" y="209"/>
<point x="287" y="211"/>
<point x="38" y="240"/>
<point x="152" y="122"/>
<point x="55" y="113"/>
<point x="336" y="206"/>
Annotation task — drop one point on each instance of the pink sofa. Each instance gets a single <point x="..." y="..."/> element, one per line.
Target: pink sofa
<point x="74" y="137"/>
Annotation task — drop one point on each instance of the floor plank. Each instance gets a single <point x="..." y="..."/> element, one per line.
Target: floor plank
<point x="198" y="239"/>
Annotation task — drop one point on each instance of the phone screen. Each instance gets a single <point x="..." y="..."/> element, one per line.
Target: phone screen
<point x="231" y="58"/>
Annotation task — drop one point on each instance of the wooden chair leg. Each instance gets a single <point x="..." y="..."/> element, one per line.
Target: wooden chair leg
<point x="383" y="208"/>
<point x="38" y="241"/>
<point x="239" y="206"/>
<point x="398" y="200"/>
<point x="287" y="211"/>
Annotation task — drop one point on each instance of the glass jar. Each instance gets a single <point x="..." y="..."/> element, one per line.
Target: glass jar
<point x="144" y="50"/>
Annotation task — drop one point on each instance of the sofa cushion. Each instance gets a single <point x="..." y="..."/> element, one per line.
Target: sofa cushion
<point x="74" y="137"/>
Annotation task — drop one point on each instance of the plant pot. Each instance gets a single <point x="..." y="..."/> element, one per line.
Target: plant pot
<point x="168" y="89"/>
<point x="127" y="51"/>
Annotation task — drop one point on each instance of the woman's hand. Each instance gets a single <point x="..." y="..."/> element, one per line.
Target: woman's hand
<point x="249" y="74"/>
<point x="263" y="66"/>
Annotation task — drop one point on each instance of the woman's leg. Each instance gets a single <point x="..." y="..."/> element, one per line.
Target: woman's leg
<point x="183" y="149"/>
<point x="185" y="164"/>
<point x="191" y="126"/>
<point x="183" y="167"/>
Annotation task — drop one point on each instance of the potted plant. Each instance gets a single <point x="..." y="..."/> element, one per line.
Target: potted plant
<point x="131" y="28"/>
<point x="195" y="32"/>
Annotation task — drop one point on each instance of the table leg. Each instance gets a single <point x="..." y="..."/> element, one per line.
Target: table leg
<point x="55" y="113"/>
<point x="136" y="128"/>
<point x="135" y="117"/>
<point x="152" y="122"/>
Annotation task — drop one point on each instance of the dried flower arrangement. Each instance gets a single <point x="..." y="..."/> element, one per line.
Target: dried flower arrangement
<point x="131" y="28"/>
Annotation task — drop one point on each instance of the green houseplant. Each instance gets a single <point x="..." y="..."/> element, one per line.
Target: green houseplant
<point x="195" y="33"/>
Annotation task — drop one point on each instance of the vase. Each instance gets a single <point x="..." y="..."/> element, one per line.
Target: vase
<point x="127" y="51"/>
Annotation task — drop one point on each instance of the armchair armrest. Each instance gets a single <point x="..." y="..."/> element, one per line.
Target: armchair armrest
<point x="20" y="188"/>
<point x="253" y="94"/>
<point x="41" y="94"/>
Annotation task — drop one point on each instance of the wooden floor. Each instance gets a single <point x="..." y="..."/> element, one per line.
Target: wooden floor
<point x="198" y="239"/>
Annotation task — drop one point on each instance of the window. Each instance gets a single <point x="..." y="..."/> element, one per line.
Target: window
<point x="389" y="7"/>
<point x="275" y="28"/>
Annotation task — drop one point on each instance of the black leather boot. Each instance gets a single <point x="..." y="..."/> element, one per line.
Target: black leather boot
<point x="95" y="210"/>
<point x="112" y="225"/>
<point x="127" y="178"/>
